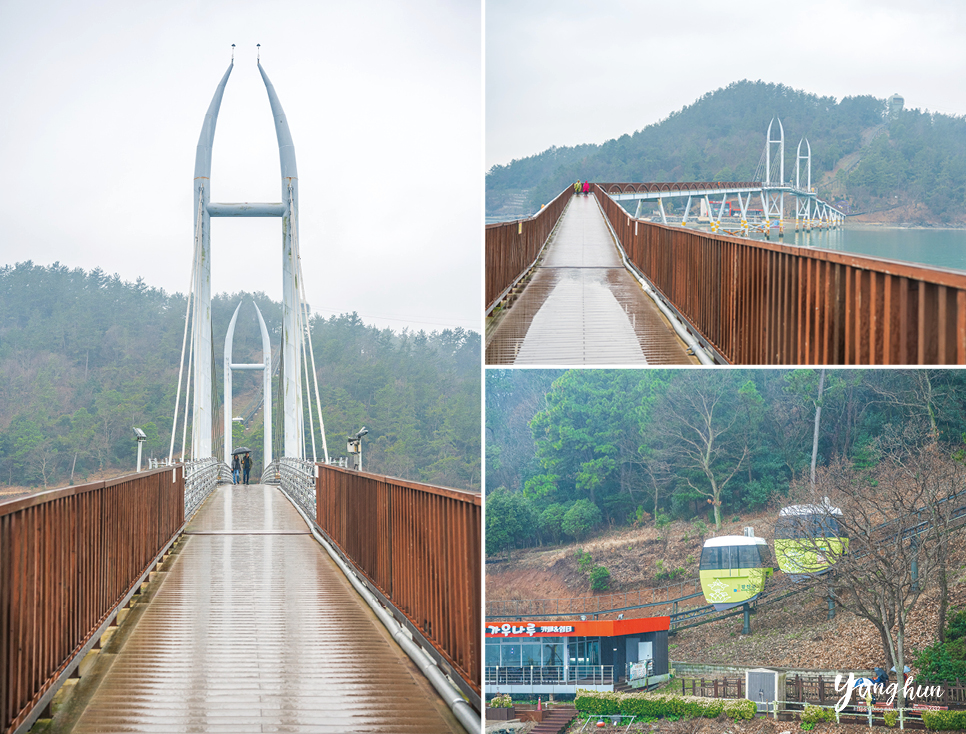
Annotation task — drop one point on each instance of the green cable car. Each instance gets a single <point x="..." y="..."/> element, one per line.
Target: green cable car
<point x="808" y="540"/>
<point x="733" y="570"/>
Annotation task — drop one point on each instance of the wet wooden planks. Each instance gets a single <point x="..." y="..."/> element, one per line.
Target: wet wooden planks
<point x="582" y="307"/>
<point x="255" y="629"/>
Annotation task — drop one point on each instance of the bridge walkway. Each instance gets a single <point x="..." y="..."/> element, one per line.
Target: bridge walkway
<point x="253" y="628"/>
<point x="581" y="307"/>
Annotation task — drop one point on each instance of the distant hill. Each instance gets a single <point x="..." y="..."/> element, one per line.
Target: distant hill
<point x="916" y="158"/>
<point x="85" y="356"/>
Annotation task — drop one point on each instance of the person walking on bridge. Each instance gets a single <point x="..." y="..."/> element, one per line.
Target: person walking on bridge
<point x="247" y="467"/>
<point x="586" y="187"/>
<point x="577" y="187"/>
<point x="235" y="469"/>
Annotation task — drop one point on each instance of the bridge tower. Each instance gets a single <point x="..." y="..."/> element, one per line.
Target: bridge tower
<point x="803" y="204"/>
<point x="773" y="201"/>
<point x="266" y="368"/>
<point x="293" y="315"/>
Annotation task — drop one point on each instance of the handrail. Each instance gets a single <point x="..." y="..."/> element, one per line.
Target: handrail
<point x="201" y="478"/>
<point x="513" y="247"/>
<point x="766" y="303"/>
<point x="418" y="546"/>
<point x="69" y="559"/>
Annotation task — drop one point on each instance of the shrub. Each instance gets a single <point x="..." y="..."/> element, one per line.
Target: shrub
<point x="661" y="521"/>
<point x="891" y="717"/>
<point x="501" y="701"/>
<point x="944" y="720"/>
<point x="700" y="526"/>
<point x="599" y="578"/>
<point x="584" y="560"/>
<point x="581" y="518"/>
<point x="816" y="714"/>
<point x="661" y="705"/>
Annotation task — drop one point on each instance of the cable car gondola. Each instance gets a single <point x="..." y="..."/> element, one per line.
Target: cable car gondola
<point x="808" y="539"/>
<point x="733" y="570"/>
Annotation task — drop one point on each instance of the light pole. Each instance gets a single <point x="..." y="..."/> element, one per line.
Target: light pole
<point x="140" y="437"/>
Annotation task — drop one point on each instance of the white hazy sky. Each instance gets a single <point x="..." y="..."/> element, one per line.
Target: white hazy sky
<point x="103" y="103"/>
<point x="584" y="71"/>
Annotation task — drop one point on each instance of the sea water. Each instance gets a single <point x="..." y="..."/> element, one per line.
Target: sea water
<point x="945" y="248"/>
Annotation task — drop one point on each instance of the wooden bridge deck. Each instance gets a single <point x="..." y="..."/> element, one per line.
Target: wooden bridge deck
<point x="582" y="307"/>
<point x="253" y="628"/>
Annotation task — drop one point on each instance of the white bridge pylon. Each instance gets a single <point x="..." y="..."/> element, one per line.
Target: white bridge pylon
<point x="727" y="206"/>
<point x="295" y="321"/>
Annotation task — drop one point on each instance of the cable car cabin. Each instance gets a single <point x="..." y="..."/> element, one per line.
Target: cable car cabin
<point x="808" y="539"/>
<point x="733" y="570"/>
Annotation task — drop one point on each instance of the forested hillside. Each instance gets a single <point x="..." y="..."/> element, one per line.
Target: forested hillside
<point x="569" y="453"/>
<point x="84" y="357"/>
<point x="916" y="157"/>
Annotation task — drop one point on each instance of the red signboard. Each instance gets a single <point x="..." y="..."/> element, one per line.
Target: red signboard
<point x="579" y="628"/>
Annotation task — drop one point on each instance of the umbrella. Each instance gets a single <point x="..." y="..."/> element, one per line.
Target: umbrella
<point x="880" y="671"/>
<point x="905" y="669"/>
<point x="241" y="450"/>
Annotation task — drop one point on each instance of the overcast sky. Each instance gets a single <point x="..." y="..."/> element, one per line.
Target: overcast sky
<point x="103" y="103"/>
<point x="585" y="71"/>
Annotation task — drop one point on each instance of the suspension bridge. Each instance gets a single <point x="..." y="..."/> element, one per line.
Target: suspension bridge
<point x="717" y="295"/>
<point x="321" y="598"/>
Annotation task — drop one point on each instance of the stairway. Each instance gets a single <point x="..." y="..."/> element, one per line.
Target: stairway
<point x="555" y="720"/>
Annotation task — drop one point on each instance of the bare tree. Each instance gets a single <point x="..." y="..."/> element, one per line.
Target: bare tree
<point x="697" y="421"/>
<point x="898" y="518"/>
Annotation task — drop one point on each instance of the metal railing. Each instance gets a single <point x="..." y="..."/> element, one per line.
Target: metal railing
<point x="201" y="478"/>
<point x="764" y="303"/>
<point x="69" y="558"/>
<point x="513" y="247"/>
<point x="419" y="547"/>
<point x="549" y="675"/>
<point x="298" y="482"/>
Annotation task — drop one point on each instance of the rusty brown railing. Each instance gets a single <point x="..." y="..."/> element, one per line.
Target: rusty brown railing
<point x="512" y="247"/>
<point x="765" y="303"/>
<point x="420" y="546"/>
<point x="69" y="558"/>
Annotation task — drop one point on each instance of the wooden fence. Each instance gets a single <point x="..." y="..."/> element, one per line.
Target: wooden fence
<point x="814" y="689"/>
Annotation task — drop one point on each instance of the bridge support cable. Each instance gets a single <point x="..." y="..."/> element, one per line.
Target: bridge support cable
<point x="304" y="315"/>
<point x="184" y="342"/>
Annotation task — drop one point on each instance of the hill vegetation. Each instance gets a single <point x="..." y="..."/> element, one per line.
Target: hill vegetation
<point x="912" y="157"/>
<point x="85" y="356"/>
<point x="569" y="453"/>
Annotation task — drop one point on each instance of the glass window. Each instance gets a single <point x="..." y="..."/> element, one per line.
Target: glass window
<point x="553" y="654"/>
<point x="492" y="654"/>
<point x="711" y="559"/>
<point x="531" y="654"/>
<point x="748" y="556"/>
<point x="511" y="656"/>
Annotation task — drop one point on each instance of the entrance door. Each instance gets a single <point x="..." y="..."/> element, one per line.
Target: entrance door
<point x="644" y="651"/>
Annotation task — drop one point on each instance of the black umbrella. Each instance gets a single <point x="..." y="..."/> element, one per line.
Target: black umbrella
<point x="241" y="450"/>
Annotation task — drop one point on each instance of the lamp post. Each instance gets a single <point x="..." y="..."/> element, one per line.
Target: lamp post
<point x="140" y="437"/>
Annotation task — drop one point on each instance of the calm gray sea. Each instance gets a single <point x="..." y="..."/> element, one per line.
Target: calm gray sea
<point x="942" y="247"/>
